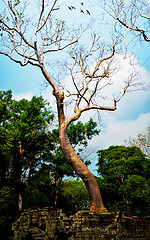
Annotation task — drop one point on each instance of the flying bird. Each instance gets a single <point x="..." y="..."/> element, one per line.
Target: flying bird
<point x="73" y="7"/>
<point x="82" y="3"/>
<point x="69" y="8"/>
<point x="88" y="12"/>
<point x="81" y="11"/>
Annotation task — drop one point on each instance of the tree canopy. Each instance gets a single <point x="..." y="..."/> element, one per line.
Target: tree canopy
<point x="32" y="165"/>
<point x="28" y="139"/>
<point x="28" y="123"/>
<point x="124" y="179"/>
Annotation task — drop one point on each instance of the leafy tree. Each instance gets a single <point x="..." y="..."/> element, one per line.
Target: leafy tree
<point x="37" y="161"/>
<point x="5" y="134"/>
<point x="48" y="178"/>
<point x="24" y="139"/>
<point x="73" y="196"/>
<point x="8" y="207"/>
<point x="8" y="211"/>
<point x="124" y="179"/>
<point x="38" y="40"/>
<point x="29" y="122"/>
<point x="32" y="164"/>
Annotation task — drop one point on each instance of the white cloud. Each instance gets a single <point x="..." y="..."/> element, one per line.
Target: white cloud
<point x="123" y="71"/>
<point x="27" y="95"/>
<point x="116" y="133"/>
<point x="132" y="104"/>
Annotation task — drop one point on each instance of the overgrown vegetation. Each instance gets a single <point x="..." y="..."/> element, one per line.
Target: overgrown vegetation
<point x="32" y="165"/>
<point x="124" y="179"/>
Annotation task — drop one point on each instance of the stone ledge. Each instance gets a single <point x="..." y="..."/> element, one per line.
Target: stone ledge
<point x="50" y="223"/>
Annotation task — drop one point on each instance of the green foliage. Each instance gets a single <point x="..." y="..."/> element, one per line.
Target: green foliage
<point x="29" y="124"/>
<point x="6" y="136"/>
<point x="73" y="196"/>
<point x="5" y="151"/>
<point x="42" y="191"/>
<point x="31" y="161"/>
<point x="17" y="2"/>
<point x="24" y="141"/>
<point x="80" y="133"/>
<point x="48" y="177"/>
<point x="7" y="210"/>
<point x="124" y="179"/>
<point x="5" y="104"/>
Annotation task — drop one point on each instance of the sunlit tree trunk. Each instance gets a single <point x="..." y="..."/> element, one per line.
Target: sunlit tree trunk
<point x="76" y="163"/>
<point x="20" y="202"/>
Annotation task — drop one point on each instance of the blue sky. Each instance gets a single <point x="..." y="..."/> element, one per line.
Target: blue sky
<point x="133" y="113"/>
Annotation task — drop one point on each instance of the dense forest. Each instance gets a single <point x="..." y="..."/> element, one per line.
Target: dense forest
<point x="34" y="172"/>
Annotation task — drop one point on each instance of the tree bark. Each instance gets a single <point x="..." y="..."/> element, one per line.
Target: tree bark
<point x="20" y="202"/>
<point x="76" y="163"/>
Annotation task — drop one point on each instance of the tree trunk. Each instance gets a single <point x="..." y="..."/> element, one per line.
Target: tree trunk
<point x="20" y="202"/>
<point x="72" y="158"/>
<point x="82" y="170"/>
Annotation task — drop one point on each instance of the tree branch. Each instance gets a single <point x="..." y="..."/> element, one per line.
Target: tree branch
<point x="47" y="15"/>
<point x="15" y="60"/>
<point x="146" y="38"/>
<point x="17" y="25"/>
<point x="88" y="107"/>
<point x="60" y="48"/>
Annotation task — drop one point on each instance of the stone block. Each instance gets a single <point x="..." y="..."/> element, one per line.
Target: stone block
<point x="49" y="223"/>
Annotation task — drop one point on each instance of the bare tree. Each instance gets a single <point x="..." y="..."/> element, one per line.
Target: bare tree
<point x="134" y="15"/>
<point x="142" y="141"/>
<point x="34" y="41"/>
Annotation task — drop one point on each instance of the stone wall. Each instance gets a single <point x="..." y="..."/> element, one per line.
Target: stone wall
<point x="49" y="223"/>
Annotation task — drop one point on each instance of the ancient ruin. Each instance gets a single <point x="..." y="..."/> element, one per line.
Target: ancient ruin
<point x="50" y="223"/>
